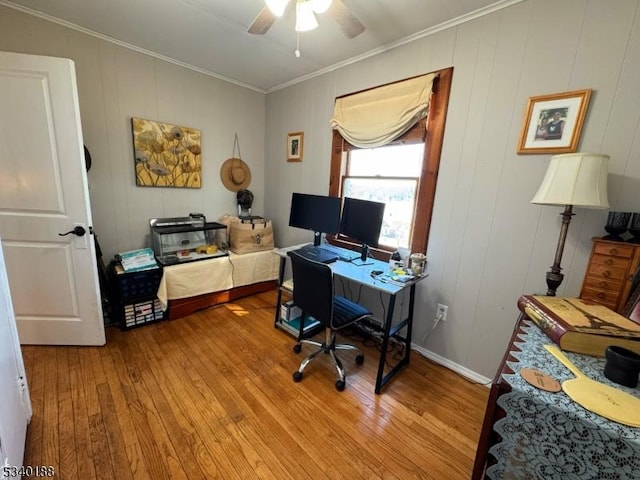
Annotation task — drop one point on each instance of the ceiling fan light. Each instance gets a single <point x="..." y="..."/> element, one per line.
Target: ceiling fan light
<point x="277" y="6"/>
<point x="305" y="19"/>
<point x="320" y="6"/>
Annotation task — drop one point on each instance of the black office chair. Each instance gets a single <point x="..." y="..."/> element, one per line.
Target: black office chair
<point x="313" y="292"/>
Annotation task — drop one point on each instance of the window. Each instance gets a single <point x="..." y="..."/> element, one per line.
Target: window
<point x="390" y="175"/>
<point x="402" y="174"/>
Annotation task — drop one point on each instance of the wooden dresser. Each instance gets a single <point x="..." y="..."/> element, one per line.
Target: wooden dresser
<point x="610" y="272"/>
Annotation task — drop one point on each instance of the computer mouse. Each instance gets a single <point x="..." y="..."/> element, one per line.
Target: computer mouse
<point x="376" y="272"/>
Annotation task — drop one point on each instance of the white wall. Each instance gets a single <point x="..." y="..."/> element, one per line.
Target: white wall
<point x="116" y="84"/>
<point x="488" y="244"/>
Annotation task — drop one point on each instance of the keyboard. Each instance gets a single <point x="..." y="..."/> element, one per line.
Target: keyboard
<point x="342" y="253"/>
<point x="317" y="254"/>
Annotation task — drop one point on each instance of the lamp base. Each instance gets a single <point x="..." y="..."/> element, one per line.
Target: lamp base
<point x="554" y="279"/>
<point x="617" y="223"/>
<point x="554" y="276"/>
<point x="635" y="231"/>
<point x="613" y="237"/>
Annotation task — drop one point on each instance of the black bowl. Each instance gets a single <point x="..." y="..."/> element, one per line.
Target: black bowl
<point x="623" y="366"/>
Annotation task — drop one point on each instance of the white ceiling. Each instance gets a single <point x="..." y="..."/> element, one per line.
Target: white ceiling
<point x="211" y="35"/>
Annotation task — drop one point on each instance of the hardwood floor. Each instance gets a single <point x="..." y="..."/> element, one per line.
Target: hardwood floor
<point x="211" y="396"/>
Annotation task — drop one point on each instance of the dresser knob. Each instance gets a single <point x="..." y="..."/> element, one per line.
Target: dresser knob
<point x="606" y="273"/>
<point x="608" y="261"/>
<point x="604" y="284"/>
<point x="613" y="251"/>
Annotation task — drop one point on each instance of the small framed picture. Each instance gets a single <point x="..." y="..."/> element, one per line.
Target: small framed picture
<point x="553" y="123"/>
<point x="295" y="146"/>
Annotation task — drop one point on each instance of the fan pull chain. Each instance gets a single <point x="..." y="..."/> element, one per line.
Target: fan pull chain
<point x="297" y="52"/>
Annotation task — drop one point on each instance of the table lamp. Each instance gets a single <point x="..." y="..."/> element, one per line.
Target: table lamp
<point x="572" y="179"/>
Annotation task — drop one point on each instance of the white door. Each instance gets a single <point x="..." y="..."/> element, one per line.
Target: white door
<point x="44" y="192"/>
<point x="15" y="406"/>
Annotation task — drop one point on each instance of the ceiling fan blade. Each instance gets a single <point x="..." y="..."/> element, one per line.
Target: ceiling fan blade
<point x="348" y="23"/>
<point x="263" y="22"/>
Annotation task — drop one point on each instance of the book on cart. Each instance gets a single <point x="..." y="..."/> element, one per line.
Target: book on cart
<point x="579" y="325"/>
<point x="137" y="260"/>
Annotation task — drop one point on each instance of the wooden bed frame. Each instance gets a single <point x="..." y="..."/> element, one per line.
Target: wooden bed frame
<point x="186" y="306"/>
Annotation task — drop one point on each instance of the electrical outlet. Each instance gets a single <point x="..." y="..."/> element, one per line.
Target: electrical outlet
<point x="441" y="313"/>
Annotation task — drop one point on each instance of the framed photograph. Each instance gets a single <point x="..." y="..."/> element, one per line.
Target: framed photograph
<point x="553" y="123"/>
<point x="295" y="146"/>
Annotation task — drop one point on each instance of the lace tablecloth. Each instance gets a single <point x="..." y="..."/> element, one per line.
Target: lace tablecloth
<point x="547" y="435"/>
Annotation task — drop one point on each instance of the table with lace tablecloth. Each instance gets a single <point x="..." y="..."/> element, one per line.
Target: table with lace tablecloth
<point x="529" y="433"/>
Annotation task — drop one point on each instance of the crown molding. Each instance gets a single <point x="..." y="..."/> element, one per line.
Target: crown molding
<point x="106" y="38"/>
<point x="411" y="38"/>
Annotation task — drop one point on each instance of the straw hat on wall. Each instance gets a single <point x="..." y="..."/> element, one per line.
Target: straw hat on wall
<point x="235" y="174"/>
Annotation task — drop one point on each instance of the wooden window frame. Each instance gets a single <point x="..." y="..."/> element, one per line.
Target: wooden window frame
<point x="431" y="132"/>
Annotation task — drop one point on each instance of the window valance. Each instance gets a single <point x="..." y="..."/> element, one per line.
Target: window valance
<point x="375" y="117"/>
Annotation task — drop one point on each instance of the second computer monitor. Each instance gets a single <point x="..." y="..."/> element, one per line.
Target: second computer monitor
<point x="362" y="221"/>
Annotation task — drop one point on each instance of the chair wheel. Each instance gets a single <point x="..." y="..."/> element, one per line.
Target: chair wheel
<point x="340" y="384"/>
<point x="297" y="376"/>
<point x="297" y="348"/>
<point x="360" y="359"/>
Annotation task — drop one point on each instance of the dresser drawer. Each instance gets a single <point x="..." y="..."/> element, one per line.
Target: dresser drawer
<point x="610" y="261"/>
<point x="606" y="271"/>
<point x="600" y="283"/>
<point x="604" y="297"/>
<point x="617" y="250"/>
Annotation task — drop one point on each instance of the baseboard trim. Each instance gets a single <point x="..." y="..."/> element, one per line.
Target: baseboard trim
<point x="459" y="369"/>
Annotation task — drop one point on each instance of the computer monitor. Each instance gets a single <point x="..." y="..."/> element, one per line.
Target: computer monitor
<point x="362" y="221"/>
<point x="318" y="213"/>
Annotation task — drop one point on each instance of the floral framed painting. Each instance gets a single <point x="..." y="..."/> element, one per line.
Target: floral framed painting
<point x="166" y="155"/>
<point x="553" y="123"/>
<point x="295" y="146"/>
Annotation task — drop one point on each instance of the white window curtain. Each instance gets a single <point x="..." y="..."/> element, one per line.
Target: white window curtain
<point x="378" y="116"/>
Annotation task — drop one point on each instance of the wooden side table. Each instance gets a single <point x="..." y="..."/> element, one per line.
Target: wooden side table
<point x="610" y="273"/>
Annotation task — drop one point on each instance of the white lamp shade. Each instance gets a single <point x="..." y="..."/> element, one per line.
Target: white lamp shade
<point x="578" y="179"/>
<point x="277" y="6"/>
<point x="305" y="19"/>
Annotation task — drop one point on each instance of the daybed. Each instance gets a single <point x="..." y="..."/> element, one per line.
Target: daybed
<point x="193" y="286"/>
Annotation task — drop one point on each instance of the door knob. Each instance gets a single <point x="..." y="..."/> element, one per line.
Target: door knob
<point x="79" y="231"/>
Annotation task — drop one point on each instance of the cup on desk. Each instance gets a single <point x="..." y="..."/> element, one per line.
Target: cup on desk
<point x="623" y="366"/>
<point x="405" y="255"/>
<point x="418" y="261"/>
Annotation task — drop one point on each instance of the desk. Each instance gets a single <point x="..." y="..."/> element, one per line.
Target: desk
<point x="532" y="434"/>
<point x="362" y="275"/>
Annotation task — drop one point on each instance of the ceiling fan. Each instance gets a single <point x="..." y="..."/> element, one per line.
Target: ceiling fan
<point x="305" y="16"/>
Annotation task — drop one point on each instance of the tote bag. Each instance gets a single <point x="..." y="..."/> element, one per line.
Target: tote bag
<point x="251" y="237"/>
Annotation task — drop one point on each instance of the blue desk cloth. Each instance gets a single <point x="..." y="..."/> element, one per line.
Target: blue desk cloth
<point x="549" y="436"/>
